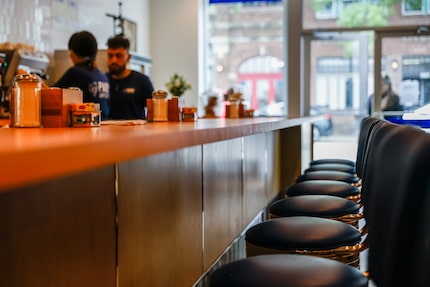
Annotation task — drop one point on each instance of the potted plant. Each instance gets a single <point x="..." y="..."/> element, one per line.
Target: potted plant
<point x="177" y="85"/>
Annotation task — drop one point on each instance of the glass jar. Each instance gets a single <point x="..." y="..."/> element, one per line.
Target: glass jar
<point x="159" y="106"/>
<point x="26" y="101"/>
<point x="234" y="109"/>
<point x="160" y="110"/>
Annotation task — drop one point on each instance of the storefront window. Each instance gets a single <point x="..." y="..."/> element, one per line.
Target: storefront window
<point x="245" y="53"/>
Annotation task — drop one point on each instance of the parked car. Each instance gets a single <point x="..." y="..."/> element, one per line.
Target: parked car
<point x="322" y="127"/>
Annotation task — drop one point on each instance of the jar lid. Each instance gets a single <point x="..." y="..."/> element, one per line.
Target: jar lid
<point x="159" y="94"/>
<point x="27" y="78"/>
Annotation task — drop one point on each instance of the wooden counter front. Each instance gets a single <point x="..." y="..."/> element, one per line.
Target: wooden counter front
<point x="149" y="205"/>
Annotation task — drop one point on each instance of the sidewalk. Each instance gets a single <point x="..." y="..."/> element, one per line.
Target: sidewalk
<point x="335" y="149"/>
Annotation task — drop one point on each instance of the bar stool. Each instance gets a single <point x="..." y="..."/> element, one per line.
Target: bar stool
<point x="281" y="270"/>
<point x="324" y="187"/>
<point x="328" y="175"/>
<point x="331" y="166"/>
<point x="324" y="206"/>
<point x="332" y="160"/>
<point x="305" y="235"/>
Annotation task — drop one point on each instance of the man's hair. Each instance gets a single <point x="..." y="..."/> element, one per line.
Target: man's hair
<point x="118" y="42"/>
<point x="83" y="44"/>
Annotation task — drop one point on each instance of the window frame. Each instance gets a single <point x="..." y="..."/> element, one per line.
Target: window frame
<point x="423" y="11"/>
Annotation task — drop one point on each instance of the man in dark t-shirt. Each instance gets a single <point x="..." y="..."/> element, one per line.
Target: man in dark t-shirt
<point x="128" y="89"/>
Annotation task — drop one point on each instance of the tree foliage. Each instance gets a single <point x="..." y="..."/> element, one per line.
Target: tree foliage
<point x="364" y="15"/>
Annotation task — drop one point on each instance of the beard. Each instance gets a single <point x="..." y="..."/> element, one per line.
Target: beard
<point x="116" y="69"/>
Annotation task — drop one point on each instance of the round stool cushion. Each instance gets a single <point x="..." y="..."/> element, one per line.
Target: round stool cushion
<point x="332" y="166"/>
<point x="328" y="174"/>
<point x="325" y="206"/>
<point x="323" y="187"/>
<point x="287" y="270"/>
<point x="302" y="232"/>
<point x="332" y="160"/>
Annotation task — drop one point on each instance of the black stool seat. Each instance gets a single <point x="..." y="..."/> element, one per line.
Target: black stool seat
<point x="332" y="160"/>
<point x="328" y="175"/>
<point x="323" y="187"/>
<point x="332" y="166"/>
<point x="324" y="206"/>
<point x="281" y="270"/>
<point x="302" y="232"/>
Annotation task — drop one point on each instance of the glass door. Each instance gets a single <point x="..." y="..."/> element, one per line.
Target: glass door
<point x="337" y="88"/>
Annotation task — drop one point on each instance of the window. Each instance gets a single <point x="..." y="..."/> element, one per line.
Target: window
<point x="413" y="7"/>
<point x="245" y="54"/>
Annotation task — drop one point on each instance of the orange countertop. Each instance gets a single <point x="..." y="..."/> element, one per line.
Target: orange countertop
<point x="29" y="155"/>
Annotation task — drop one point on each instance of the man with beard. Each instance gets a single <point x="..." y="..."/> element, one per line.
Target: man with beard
<point x="128" y="89"/>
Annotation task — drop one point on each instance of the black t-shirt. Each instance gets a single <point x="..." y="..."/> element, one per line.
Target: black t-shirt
<point x="93" y="83"/>
<point x="128" y="96"/>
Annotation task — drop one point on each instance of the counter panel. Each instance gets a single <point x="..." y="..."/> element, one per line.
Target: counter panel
<point x="255" y="195"/>
<point x="160" y="219"/>
<point x="290" y="155"/>
<point x="223" y="198"/>
<point x="272" y="175"/>
<point x="59" y="233"/>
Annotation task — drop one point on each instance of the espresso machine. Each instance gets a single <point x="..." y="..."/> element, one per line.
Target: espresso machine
<point x="12" y="60"/>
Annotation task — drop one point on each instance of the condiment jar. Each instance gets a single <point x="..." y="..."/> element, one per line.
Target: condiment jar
<point x="234" y="109"/>
<point x="25" y="102"/>
<point x="159" y="106"/>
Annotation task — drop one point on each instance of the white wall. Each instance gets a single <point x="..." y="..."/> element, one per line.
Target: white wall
<point x="174" y="43"/>
<point x="92" y="15"/>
